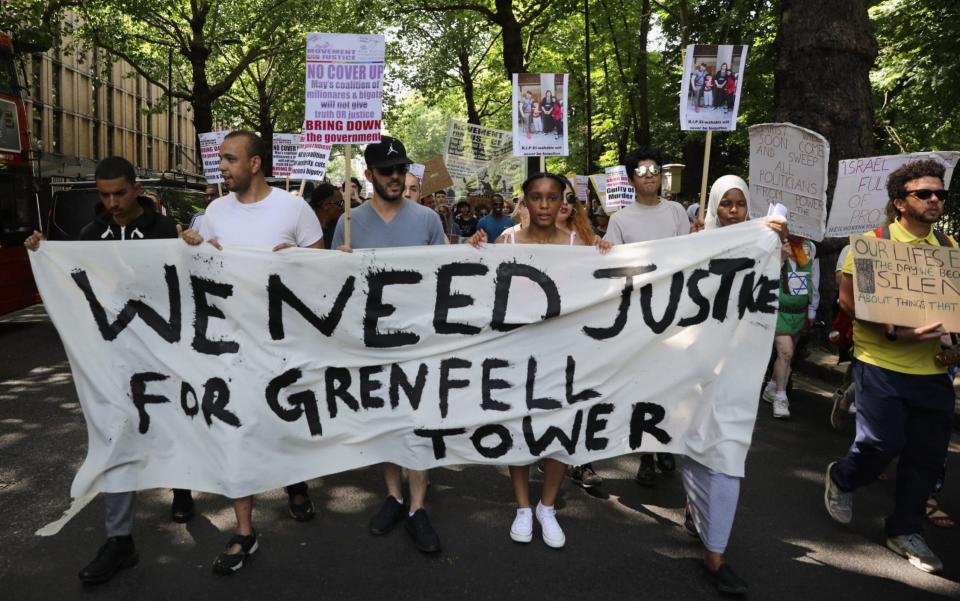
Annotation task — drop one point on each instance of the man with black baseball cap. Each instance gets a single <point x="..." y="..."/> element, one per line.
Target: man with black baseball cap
<point x="387" y="220"/>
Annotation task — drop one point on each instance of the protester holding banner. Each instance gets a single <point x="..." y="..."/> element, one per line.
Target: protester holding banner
<point x="649" y="217"/>
<point x="255" y="214"/>
<point x="123" y="214"/>
<point x="390" y="220"/>
<point x="905" y="399"/>
<point x="712" y="496"/>
<point x="799" y="299"/>
<point x="543" y="194"/>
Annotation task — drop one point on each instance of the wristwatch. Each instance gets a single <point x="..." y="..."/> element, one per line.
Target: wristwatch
<point x="891" y="333"/>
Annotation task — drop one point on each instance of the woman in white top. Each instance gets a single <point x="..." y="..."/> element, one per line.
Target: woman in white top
<point x="712" y="496"/>
<point x="543" y="194"/>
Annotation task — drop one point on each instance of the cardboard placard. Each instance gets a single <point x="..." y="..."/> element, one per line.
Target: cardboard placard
<point x="911" y="285"/>
<point x="860" y="196"/>
<point x="788" y="165"/>
<point x="435" y="176"/>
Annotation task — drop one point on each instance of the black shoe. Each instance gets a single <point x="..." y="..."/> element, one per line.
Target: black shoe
<point x="647" y="474"/>
<point x="727" y="581"/>
<point x="389" y="516"/>
<point x="302" y="512"/>
<point x="229" y="564"/>
<point x="585" y="476"/>
<point x="666" y="463"/>
<point x="182" y="510"/>
<point x="423" y="535"/>
<point x="115" y="554"/>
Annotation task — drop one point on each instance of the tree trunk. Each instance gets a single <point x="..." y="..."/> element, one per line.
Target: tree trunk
<point x="512" y="33"/>
<point x="821" y="82"/>
<point x="643" y="137"/>
<point x="265" y="124"/>
<point x="463" y="65"/>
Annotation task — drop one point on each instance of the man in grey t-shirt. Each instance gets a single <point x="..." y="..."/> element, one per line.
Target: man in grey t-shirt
<point x="388" y="220"/>
<point x="649" y="218"/>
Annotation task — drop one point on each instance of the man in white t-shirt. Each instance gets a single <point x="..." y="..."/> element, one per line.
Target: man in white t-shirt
<point x="649" y="218"/>
<point x="255" y="214"/>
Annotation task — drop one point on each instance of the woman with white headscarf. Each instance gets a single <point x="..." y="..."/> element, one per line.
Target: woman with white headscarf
<point x="711" y="495"/>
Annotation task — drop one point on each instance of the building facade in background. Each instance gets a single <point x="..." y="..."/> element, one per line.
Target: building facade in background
<point x="84" y="106"/>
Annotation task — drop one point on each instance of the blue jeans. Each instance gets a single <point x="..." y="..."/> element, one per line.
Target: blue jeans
<point x="899" y="415"/>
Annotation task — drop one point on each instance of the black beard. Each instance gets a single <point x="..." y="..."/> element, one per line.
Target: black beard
<point x="382" y="193"/>
<point x="921" y="217"/>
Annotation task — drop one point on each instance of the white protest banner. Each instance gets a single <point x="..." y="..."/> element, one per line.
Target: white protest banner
<point x="711" y="87"/>
<point x="618" y="189"/>
<point x="788" y="165"/>
<point x="242" y="370"/>
<point x="480" y="160"/>
<point x="417" y="170"/>
<point x="311" y="160"/>
<point x="909" y="285"/>
<point x="210" y="153"/>
<point x="540" y="115"/>
<point x="344" y="88"/>
<point x="860" y="196"/>
<point x="284" y="153"/>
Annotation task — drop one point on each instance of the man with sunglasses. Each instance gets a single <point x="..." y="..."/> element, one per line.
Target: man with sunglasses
<point x="650" y="217"/>
<point x="389" y="220"/>
<point x="905" y="399"/>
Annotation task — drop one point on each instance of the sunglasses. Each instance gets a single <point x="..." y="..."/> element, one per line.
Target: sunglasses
<point x="926" y="193"/>
<point x="642" y="170"/>
<point x="388" y="171"/>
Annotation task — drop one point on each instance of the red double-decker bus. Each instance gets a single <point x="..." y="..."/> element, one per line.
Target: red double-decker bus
<point x="19" y="213"/>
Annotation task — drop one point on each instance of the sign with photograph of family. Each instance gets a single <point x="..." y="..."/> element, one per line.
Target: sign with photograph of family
<point x="710" y="92"/>
<point x="540" y="115"/>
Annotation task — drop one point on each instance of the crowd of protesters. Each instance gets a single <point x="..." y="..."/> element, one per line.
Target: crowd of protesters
<point x="899" y="383"/>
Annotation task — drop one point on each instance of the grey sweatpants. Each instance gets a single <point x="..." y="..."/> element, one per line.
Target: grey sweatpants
<point x="119" y="514"/>
<point x="713" y="501"/>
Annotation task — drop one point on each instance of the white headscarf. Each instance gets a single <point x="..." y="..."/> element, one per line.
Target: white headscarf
<point x="719" y="188"/>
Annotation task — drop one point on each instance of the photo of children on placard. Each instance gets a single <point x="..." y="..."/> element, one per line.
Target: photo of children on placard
<point x="710" y="92"/>
<point x="540" y="114"/>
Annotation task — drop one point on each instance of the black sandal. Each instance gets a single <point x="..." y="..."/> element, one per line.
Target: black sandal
<point x="227" y="563"/>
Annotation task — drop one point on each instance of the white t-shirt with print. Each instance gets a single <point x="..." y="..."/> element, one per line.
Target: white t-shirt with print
<point x="279" y="218"/>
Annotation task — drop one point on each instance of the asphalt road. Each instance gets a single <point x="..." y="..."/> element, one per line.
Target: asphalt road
<point x="623" y="542"/>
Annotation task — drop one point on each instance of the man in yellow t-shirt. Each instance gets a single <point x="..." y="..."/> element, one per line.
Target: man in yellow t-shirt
<point x="904" y="397"/>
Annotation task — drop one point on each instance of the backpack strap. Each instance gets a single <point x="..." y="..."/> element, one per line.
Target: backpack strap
<point x="882" y="232"/>
<point x="942" y="238"/>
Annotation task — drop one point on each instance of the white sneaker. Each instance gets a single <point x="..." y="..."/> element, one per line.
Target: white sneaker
<point x="552" y="532"/>
<point x="770" y="392"/>
<point x="522" y="529"/>
<point x="915" y="550"/>
<point x="781" y="407"/>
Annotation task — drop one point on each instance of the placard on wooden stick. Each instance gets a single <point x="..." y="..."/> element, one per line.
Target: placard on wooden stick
<point x="435" y="176"/>
<point x="906" y="284"/>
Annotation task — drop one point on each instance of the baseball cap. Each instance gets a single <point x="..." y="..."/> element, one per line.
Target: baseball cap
<point x="386" y="153"/>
